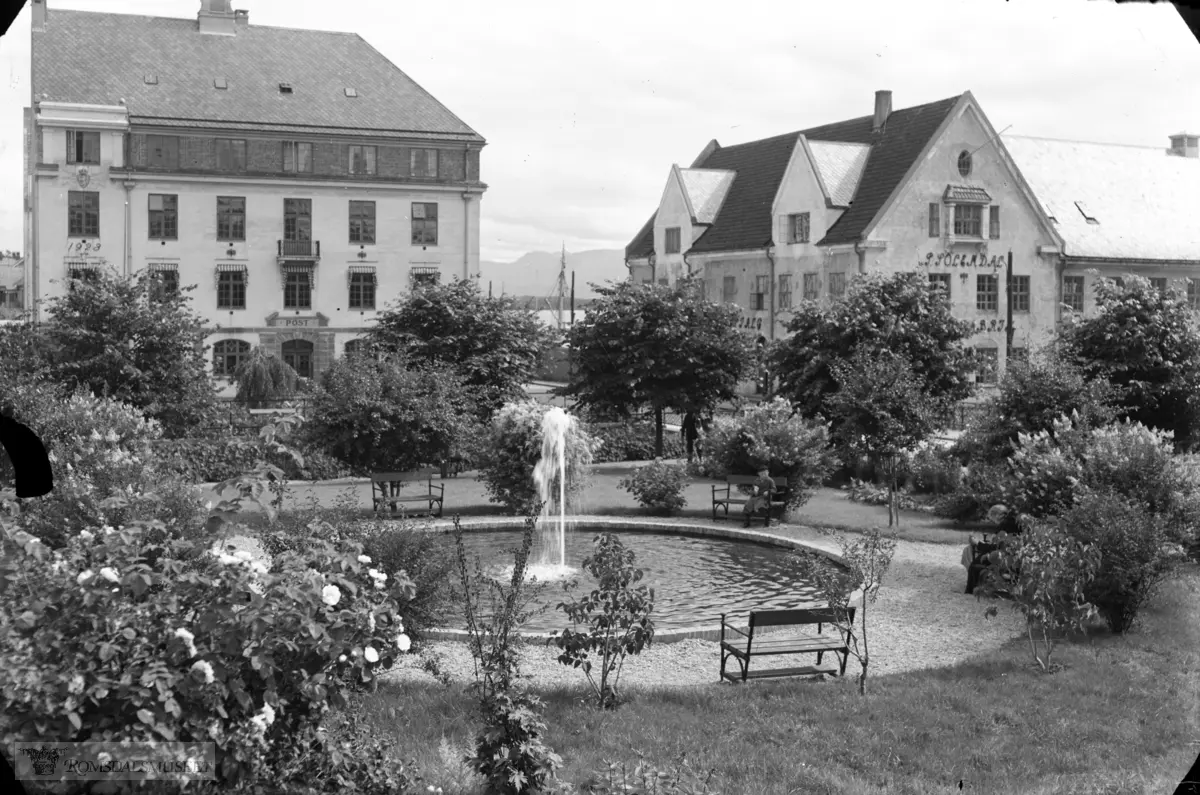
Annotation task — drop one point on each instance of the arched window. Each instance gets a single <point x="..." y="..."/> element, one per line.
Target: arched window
<point x="298" y="354"/>
<point x="227" y="355"/>
<point x="964" y="163"/>
<point x="354" y="347"/>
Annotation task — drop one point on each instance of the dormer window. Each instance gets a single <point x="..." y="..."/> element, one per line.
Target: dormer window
<point x="351" y="92"/>
<point x="151" y="80"/>
<point x="285" y="88"/>
<point x="968" y="220"/>
<point x="220" y="83"/>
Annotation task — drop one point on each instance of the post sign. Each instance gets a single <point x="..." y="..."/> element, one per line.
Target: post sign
<point x="276" y="320"/>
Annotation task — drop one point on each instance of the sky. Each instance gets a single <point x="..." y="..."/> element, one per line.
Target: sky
<point x="585" y="107"/>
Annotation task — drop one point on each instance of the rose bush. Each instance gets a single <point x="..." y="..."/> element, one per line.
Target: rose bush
<point x="116" y="636"/>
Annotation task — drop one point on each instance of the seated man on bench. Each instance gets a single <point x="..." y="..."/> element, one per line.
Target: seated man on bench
<point x="760" y="496"/>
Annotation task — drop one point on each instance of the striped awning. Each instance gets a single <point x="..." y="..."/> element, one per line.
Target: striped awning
<point x="230" y="267"/>
<point x="81" y="264"/>
<point x="307" y="268"/>
<point x="370" y="269"/>
<point x="424" y="270"/>
<point x="158" y="267"/>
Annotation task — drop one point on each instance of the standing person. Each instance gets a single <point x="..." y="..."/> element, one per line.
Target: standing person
<point x="760" y="495"/>
<point x="689" y="432"/>
<point x="706" y="427"/>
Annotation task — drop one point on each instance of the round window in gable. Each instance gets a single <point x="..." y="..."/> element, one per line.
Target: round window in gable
<point x="964" y="163"/>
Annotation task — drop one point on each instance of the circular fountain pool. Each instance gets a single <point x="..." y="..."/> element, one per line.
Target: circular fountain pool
<point x="697" y="572"/>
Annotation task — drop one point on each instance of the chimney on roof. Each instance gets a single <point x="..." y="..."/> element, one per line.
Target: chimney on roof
<point x="883" y="109"/>
<point x="216" y="18"/>
<point x="242" y="16"/>
<point x="39" y="15"/>
<point x="1185" y="145"/>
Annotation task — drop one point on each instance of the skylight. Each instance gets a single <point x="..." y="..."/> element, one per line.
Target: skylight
<point x="220" y="83"/>
<point x="351" y="92"/>
<point x="151" y="80"/>
<point x="1091" y="219"/>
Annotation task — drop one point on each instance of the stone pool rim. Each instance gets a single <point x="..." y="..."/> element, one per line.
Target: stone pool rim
<point x="647" y="525"/>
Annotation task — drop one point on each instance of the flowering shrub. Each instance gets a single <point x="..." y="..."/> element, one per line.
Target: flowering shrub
<point x="508" y="452"/>
<point x="658" y="486"/>
<point x="215" y="460"/>
<point x="632" y="441"/>
<point x="982" y="487"/>
<point x="113" y="637"/>
<point x="932" y="469"/>
<point x="871" y="494"/>
<point x="771" y="435"/>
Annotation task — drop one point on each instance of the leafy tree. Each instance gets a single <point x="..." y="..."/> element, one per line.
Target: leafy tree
<point x="1032" y="396"/>
<point x="656" y="346"/>
<point x="120" y="337"/>
<point x="1147" y="344"/>
<point x="900" y="313"/>
<point x="263" y="377"/>
<point x="380" y="415"/>
<point x="495" y="347"/>
<point x="882" y="409"/>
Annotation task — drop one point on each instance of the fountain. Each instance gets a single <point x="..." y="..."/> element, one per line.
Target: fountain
<point x="552" y="557"/>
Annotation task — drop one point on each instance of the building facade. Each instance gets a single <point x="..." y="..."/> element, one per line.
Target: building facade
<point x="930" y="189"/>
<point x="297" y="180"/>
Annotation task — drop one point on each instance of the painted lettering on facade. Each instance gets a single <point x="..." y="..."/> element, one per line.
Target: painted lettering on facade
<point x="948" y="259"/>
<point x="750" y="323"/>
<point x="83" y="247"/>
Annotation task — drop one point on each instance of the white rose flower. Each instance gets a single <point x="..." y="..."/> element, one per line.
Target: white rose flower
<point x="86" y="535"/>
<point x="371" y="655"/>
<point x="242" y="554"/>
<point x="228" y="559"/>
<point x="269" y="713"/>
<point x="363" y="559"/>
<point x="110" y="574"/>
<point x="111" y="437"/>
<point x="331" y="595"/>
<point x="371" y="621"/>
<point x="84" y="576"/>
<point x="205" y="668"/>
<point x="76" y="685"/>
<point x="256" y="587"/>
<point x="403" y="642"/>
<point x="258" y="567"/>
<point x="341" y="658"/>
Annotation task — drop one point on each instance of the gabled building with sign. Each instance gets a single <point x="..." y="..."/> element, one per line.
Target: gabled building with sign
<point x="929" y="188"/>
<point x="1119" y="210"/>
<point x="297" y="178"/>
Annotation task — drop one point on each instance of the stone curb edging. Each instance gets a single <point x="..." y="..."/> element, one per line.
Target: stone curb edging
<point x="650" y="526"/>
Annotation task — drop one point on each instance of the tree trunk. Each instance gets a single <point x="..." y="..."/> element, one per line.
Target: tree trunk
<point x="893" y="512"/>
<point x="658" y="432"/>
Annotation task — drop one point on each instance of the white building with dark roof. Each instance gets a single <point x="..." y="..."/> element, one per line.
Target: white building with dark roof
<point x="297" y="178"/>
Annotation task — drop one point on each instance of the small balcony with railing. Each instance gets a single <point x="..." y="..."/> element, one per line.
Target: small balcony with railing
<point x="305" y="250"/>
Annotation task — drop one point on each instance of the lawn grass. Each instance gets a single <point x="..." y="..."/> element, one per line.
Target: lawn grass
<point x="1117" y="718"/>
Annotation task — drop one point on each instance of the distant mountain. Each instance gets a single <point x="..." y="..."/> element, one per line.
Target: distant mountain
<point x="536" y="273"/>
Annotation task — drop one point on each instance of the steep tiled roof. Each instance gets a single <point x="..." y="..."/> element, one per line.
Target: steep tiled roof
<point x="706" y="190"/>
<point x="1145" y="201"/>
<point x="897" y="147"/>
<point x="97" y="58"/>
<point x="840" y="166"/>
<point x="642" y="244"/>
<point x="745" y="222"/>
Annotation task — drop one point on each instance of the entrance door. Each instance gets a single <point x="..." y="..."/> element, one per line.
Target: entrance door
<point x="298" y="354"/>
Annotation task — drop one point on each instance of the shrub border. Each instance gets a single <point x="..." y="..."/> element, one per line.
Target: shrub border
<point x="696" y="632"/>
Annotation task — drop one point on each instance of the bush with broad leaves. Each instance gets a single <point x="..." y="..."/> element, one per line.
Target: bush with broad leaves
<point x="658" y="486"/>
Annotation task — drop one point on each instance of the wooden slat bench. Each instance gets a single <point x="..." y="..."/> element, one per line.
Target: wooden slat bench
<point x="763" y="645"/>
<point x="386" y="491"/>
<point x="727" y="495"/>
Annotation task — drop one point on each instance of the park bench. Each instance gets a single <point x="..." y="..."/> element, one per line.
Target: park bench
<point x="386" y="488"/>
<point x="759" y="645"/>
<point x="725" y="496"/>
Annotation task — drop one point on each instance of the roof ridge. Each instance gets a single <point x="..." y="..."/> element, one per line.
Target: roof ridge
<point x="54" y="11"/>
<point x="1087" y="143"/>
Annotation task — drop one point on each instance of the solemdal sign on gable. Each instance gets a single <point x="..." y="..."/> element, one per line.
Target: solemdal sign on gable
<point x="947" y="259"/>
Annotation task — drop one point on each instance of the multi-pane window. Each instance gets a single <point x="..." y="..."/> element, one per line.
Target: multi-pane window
<point x="83" y="213"/>
<point x="672" y="240"/>
<point x="758" y="299"/>
<point x="163" y="284"/>
<point x="785" y="291"/>
<point x="940" y="281"/>
<point x="162" y="151"/>
<point x="812" y="286"/>
<point x="1073" y="292"/>
<point x="1193" y="293"/>
<point x="298" y="354"/>
<point x="362" y="290"/>
<point x="987" y="292"/>
<point x="424" y="162"/>
<point x="935" y="219"/>
<point x="968" y="220"/>
<point x="231" y="218"/>
<point x="362" y="222"/>
<point x="994" y="222"/>
<point x="798" y="228"/>
<point x="297" y="219"/>
<point x="297" y="288"/>
<point x="297" y="157"/>
<point x="664" y="281"/>
<point x="354" y="347"/>
<point x="429" y="275"/>
<point x="362" y="159"/>
<point x="424" y="224"/>
<point x="231" y="289"/>
<point x="1018" y="354"/>
<point x="83" y="274"/>
<point x="837" y="285"/>
<point x="227" y="356"/>
<point x="83" y="146"/>
<point x="988" y="365"/>
<point x="1020" y="293"/>
<point x="164" y="216"/>
<point x="231" y="154"/>
<point x="1158" y="283"/>
<point x="729" y="290"/>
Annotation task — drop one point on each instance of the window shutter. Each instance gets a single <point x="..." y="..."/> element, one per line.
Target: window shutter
<point x="91" y="148"/>
<point x="70" y="146"/>
<point x="935" y="223"/>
